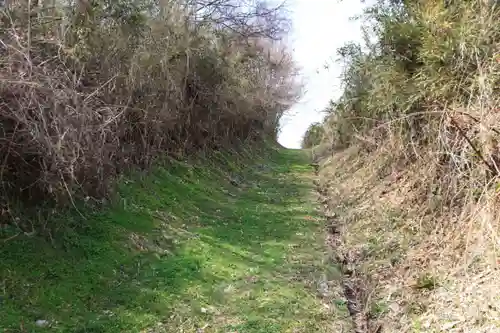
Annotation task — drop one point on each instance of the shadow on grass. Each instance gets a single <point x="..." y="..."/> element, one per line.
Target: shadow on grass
<point x="158" y="255"/>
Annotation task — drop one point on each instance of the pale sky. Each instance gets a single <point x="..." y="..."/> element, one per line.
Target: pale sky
<point x="320" y="27"/>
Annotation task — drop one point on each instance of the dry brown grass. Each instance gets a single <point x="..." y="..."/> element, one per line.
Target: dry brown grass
<point x="425" y="262"/>
<point x="415" y="193"/>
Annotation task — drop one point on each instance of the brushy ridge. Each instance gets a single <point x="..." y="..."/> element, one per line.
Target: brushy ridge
<point x="430" y="79"/>
<point x="409" y="157"/>
<point x="90" y="90"/>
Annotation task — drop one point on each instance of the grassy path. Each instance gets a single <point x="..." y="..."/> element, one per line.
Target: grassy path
<point x="225" y="246"/>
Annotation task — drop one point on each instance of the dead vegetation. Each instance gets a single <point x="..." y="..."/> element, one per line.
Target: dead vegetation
<point x="409" y="162"/>
<point x="89" y="90"/>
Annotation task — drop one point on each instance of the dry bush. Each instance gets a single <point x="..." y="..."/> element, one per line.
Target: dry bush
<point x="428" y="84"/>
<point x="421" y="109"/>
<point x="90" y="90"/>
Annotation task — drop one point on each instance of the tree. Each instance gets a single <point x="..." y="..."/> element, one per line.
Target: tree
<point x="313" y="136"/>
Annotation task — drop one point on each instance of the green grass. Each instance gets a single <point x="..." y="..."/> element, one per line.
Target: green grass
<point x="181" y="248"/>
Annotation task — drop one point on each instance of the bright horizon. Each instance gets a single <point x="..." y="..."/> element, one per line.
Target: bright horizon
<point x="320" y="27"/>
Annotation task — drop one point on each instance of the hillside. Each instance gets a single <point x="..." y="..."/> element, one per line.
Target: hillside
<point x="408" y="161"/>
<point x="225" y="243"/>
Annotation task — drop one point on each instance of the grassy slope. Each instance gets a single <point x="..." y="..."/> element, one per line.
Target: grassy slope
<point x="183" y="248"/>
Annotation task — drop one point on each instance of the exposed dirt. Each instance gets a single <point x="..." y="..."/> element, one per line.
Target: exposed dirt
<point x="351" y="280"/>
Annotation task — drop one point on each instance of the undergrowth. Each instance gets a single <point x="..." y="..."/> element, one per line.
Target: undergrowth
<point x="92" y="89"/>
<point x="409" y="159"/>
